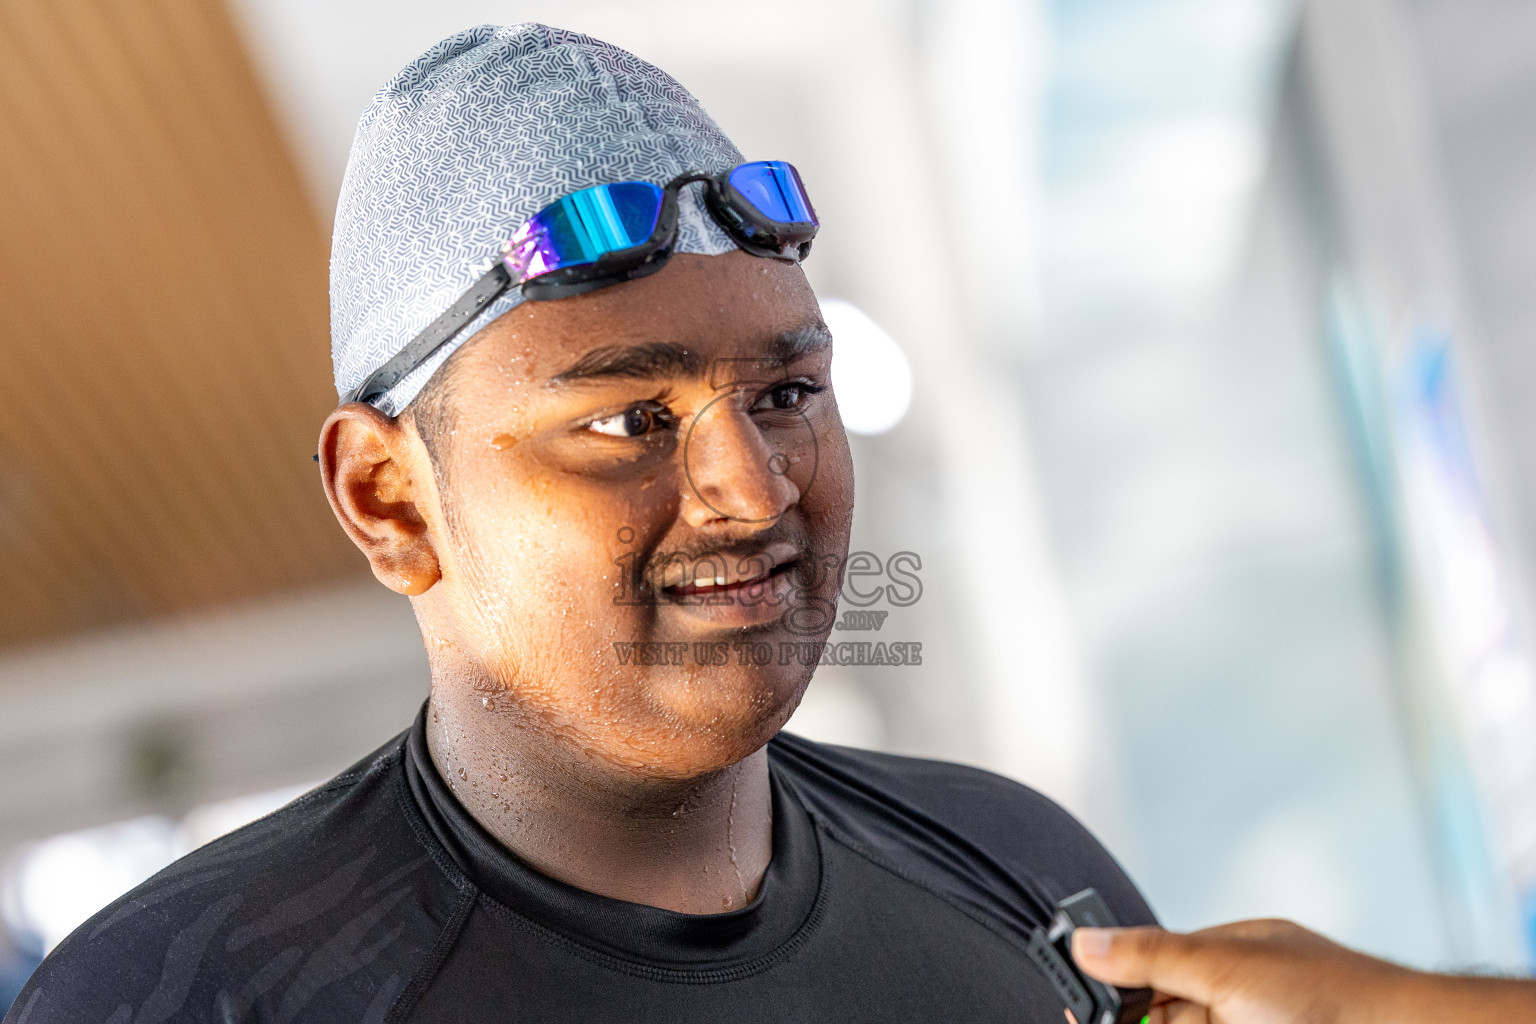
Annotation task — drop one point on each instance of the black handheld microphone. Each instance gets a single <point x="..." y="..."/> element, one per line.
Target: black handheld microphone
<point x="1087" y="1000"/>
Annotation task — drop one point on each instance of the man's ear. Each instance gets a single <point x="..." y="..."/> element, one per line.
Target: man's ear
<point x="365" y="467"/>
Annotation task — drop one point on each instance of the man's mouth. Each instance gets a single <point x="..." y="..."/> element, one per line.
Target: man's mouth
<point x="723" y="575"/>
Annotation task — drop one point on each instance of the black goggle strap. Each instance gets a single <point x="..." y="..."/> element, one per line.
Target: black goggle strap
<point x="498" y="279"/>
<point x="438" y="333"/>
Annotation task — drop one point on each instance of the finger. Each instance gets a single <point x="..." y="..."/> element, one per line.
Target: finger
<point x="1173" y="1012"/>
<point x="1120" y="956"/>
<point x="1182" y="1012"/>
<point x="1178" y="965"/>
<point x="1262" y="928"/>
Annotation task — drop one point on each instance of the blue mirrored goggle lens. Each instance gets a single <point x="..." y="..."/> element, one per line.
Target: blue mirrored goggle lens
<point x="774" y="187"/>
<point x="583" y="227"/>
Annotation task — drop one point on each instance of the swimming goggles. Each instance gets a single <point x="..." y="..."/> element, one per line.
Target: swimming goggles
<point x="610" y="233"/>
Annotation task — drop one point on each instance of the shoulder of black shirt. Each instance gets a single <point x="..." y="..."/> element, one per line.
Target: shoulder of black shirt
<point x="341" y="904"/>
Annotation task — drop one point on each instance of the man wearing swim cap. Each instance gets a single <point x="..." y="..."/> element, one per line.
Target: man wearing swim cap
<point x="587" y="425"/>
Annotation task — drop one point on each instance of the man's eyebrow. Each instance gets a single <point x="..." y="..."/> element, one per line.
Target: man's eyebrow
<point x="650" y="361"/>
<point x="800" y="341"/>
<point x="663" y="360"/>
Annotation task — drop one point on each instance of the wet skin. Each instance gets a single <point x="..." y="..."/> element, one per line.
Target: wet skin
<point x="659" y="462"/>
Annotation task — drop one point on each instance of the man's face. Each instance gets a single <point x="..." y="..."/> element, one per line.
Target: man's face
<point x="645" y="497"/>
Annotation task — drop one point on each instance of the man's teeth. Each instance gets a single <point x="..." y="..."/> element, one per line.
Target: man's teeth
<point x="720" y="581"/>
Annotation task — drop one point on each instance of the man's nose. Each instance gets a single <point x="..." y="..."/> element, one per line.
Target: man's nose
<point x="732" y="473"/>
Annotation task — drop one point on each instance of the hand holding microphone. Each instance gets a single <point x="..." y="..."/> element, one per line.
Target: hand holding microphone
<point x="1276" y="972"/>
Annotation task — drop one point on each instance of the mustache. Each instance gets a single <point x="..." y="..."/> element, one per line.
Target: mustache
<point x="680" y="564"/>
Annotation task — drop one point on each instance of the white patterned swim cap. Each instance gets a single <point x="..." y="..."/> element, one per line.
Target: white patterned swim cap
<point x="474" y="137"/>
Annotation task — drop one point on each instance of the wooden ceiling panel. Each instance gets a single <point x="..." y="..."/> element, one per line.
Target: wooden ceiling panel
<point x="163" y="325"/>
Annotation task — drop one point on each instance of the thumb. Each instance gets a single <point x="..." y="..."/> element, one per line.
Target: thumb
<point x="1175" y="965"/>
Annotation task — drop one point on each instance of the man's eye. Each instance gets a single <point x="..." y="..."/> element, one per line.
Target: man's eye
<point x="632" y="422"/>
<point x="789" y="395"/>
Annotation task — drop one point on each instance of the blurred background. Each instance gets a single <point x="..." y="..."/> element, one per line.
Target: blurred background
<point x="1185" y="340"/>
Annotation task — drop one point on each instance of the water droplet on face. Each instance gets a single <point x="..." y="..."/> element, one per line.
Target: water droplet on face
<point x="463" y="775"/>
<point x="501" y="442"/>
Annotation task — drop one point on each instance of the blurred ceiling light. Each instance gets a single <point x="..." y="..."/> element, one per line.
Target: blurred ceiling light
<point x="870" y="373"/>
<point x="55" y="885"/>
<point x="51" y="887"/>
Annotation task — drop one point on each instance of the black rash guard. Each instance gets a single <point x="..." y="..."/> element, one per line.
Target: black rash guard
<point x="899" y="890"/>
